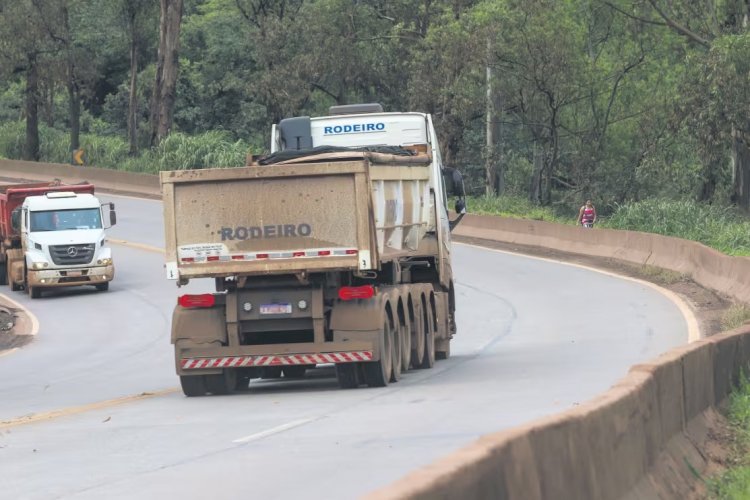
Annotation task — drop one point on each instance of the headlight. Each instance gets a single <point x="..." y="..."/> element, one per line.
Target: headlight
<point x="104" y="262"/>
<point x="39" y="265"/>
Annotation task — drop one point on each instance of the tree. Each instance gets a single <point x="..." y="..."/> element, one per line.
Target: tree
<point x="711" y="27"/>
<point x="24" y="48"/>
<point x="134" y="13"/>
<point x="167" y="66"/>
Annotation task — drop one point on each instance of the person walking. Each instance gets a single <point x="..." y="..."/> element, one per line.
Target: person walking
<point x="587" y="214"/>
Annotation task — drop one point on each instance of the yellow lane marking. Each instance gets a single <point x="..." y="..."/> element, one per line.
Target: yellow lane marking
<point x="76" y="410"/>
<point x="9" y="351"/>
<point x="694" y="331"/>
<point x="140" y="246"/>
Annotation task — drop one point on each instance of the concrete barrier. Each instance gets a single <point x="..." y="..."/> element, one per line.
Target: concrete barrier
<point x="640" y="439"/>
<point x="104" y="179"/>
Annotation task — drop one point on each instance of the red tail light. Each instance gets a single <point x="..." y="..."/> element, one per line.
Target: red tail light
<point x="356" y="292"/>
<point x="191" y="301"/>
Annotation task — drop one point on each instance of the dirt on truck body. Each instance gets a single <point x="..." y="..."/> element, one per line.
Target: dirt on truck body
<point x="334" y="256"/>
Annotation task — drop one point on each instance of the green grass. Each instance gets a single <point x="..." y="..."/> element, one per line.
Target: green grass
<point x="736" y="316"/>
<point x="734" y="483"/>
<point x="722" y="228"/>
<point x="177" y="152"/>
<point x="512" y="206"/>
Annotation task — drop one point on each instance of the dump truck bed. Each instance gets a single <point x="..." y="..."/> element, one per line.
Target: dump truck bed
<point x="345" y="212"/>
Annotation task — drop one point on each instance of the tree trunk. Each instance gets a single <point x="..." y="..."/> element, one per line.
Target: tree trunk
<point x="133" y="96"/>
<point x="74" y="97"/>
<point x="740" y="169"/>
<point x="163" y="97"/>
<point x="489" y="157"/>
<point x="31" y="146"/>
<point x="74" y="91"/>
<point x="535" y="189"/>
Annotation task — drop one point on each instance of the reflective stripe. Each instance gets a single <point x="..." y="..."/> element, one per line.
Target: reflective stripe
<point x="292" y="359"/>
<point x="291" y="254"/>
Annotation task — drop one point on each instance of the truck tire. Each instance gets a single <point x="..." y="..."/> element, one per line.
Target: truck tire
<point x="443" y="349"/>
<point x="405" y="345"/>
<point x="346" y="375"/>
<point x="223" y="383"/>
<point x="417" y="345"/>
<point x="13" y="286"/>
<point x="396" y="346"/>
<point x="428" y="360"/>
<point x="4" y="273"/>
<point x="378" y="373"/>
<point x="102" y="287"/>
<point x="193" y="385"/>
<point x="34" y="291"/>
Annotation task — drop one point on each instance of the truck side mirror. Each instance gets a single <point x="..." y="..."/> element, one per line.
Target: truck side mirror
<point x="112" y="213"/>
<point x="454" y="183"/>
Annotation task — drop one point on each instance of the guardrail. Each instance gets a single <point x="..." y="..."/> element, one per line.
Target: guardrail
<point x="638" y="439"/>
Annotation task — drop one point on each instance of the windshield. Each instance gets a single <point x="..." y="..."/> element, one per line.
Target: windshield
<point x="61" y="220"/>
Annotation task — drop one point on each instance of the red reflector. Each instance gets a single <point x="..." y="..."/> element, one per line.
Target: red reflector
<point x="356" y="292"/>
<point x="238" y="257"/>
<point x="351" y="252"/>
<point x="261" y="256"/>
<point x="298" y="254"/>
<point x="188" y="259"/>
<point x="203" y="300"/>
<point x="324" y="252"/>
<point x="212" y="258"/>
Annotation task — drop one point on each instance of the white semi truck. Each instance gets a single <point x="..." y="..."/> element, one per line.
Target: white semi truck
<point x="333" y="249"/>
<point x="53" y="235"/>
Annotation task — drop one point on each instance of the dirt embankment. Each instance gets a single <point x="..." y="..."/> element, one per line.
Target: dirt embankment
<point x="22" y="330"/>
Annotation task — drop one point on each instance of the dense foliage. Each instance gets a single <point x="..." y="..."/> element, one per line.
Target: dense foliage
<point x="615" y="100"/>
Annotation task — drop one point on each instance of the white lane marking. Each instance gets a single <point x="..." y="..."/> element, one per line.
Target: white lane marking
<point x="274" y="430"/>
<point x="694" y="331"/>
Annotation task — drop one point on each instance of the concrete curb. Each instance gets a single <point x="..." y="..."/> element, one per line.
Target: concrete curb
<point x="610" y="447"/>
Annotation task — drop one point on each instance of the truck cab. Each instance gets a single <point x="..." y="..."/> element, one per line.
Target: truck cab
<point x="63" y="242"/>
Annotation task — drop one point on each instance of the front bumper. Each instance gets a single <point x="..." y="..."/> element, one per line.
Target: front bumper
<point x="71" y="277"/>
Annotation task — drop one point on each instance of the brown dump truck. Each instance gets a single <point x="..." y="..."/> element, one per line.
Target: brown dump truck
<point x="334" y="249"/>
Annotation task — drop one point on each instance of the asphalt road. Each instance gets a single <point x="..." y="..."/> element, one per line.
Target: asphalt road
<point x="534" y="338"/>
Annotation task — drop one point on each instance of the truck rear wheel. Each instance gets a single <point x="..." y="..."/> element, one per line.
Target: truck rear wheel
<point x="346" y="375"/>
<point x="417" y="345"/>
<point x="193" y="385"/>
<point x="223" y="383"/>
<point x="443" y="350"/>
<point x="378" y="373"/>
<point x="405" y="345"/>
<point x="428" y="360"/>
<point x="396" y="345"/>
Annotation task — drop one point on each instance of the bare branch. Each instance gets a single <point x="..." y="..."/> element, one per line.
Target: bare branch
<point x="631" y="16"/>
<point x="682" y="30"/>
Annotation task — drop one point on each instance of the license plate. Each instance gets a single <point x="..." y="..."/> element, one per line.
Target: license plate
<point x="74" y="274"/>
<point x="276" y="309"/>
